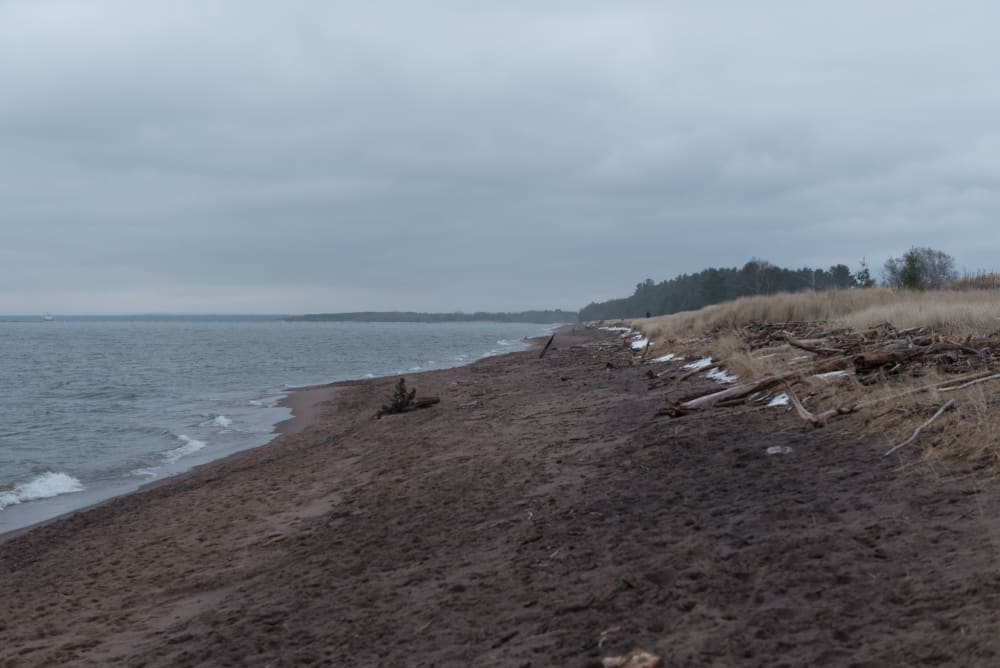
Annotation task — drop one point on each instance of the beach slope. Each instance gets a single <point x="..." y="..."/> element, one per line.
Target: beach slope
<point x="539" y="515"/>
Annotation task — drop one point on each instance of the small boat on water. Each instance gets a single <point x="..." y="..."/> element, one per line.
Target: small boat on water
<point x="48" y="317"/>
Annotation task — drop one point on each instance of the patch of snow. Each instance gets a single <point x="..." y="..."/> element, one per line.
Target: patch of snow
<point x="779" y="450"/>
<point x="831" y="374"/>
<point x="720" y="376"/>
<point x="669" y="357"/>
<point x="780" y="400"/>
<point x="699" y="364"/>
<point x="616" y="329"/>
<point x="639" y="344"/>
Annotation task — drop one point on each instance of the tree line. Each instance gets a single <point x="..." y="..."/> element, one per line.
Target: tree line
<point x="919" y="268"/>
<point x="555" y="316"/>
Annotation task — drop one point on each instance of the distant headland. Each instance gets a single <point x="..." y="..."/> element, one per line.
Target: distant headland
<point x="541" y="317"/>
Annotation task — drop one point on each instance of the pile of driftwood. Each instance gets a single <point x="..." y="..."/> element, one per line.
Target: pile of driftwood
<point x="873" y="355"/>
<point x="879" y="350"/>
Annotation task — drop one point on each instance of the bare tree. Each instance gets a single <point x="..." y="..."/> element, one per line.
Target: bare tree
<point x="758" y="276"/>
<point x="920" y="268"/>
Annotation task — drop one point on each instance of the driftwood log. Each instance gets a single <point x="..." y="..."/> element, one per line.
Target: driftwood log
<point x="417" y="404"/>
<point x="817" y="419"/>
<point x="873" y="355"/>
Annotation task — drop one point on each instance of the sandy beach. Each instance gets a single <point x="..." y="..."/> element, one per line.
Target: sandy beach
<point x="539" y="515"/>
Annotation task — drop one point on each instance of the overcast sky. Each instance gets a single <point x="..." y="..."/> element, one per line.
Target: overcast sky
<point x="279" y="157"/>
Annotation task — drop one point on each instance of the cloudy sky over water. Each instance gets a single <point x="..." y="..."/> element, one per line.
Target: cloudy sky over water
<point x="245" y="156"/>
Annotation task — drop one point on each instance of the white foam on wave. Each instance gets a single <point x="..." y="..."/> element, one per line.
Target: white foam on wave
<point x="190" y="447"/>
<point x="267" y="402"/>
<point x="42" y="487"/>
<point x="616" y="329"/>
<point x="222" y="421"/>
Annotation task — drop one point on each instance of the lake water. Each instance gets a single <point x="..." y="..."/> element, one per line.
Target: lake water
<point x="92" y="408"/>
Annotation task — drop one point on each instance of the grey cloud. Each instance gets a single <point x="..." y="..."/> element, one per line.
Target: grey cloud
<point x="324" y="155"/>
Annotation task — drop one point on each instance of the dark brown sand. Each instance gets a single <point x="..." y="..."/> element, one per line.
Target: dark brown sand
<point x="537" y="512"/>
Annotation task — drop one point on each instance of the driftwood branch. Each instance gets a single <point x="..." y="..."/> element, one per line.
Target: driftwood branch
<point x="795" y="343"/>
<point x="546" y="348"/>
<point x="966" y="380"/>
<point x="811" y="346"/>
<point x="746" y="389"/>
<point x="950" y="404"/>
<point x="879" y="358"/>
<point x="417" y="404"/>
<point x="970" y="383"/>
<point x="712" y="397"/>
<point x="801" y="410"/>
<point x="426" y="402"/>
<point x="743" y="390"/>
<point x="964" y="348"/>
<point x="701" y="369"/>
<point x="817" y="419"/>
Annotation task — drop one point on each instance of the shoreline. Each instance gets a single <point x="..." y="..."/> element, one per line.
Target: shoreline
<point x="304" y="404"/>
<point x="539" y="515"/>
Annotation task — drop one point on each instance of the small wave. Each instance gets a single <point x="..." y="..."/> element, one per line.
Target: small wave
<point x="507" y="343"/>
<point x="44" y="486"/>
<point x="190" y="446"/>
<point x="267" y="402"/>
<point x="222" y="421"/>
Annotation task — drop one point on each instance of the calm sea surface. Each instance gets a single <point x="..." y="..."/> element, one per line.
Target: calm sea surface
<point x="94" y="408"/>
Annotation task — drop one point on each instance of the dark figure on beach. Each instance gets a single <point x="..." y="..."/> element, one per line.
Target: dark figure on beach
<point x="648" y="314"/>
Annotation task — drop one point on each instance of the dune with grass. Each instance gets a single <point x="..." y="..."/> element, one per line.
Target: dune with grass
<point x="878" y="361"/>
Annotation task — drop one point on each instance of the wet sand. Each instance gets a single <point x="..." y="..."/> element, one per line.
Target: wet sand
<point x="538" y="516"/>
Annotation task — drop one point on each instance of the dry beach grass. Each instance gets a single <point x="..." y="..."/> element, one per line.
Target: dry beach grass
<point x="899" y="397"/>
<point x="955" y="312"/>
